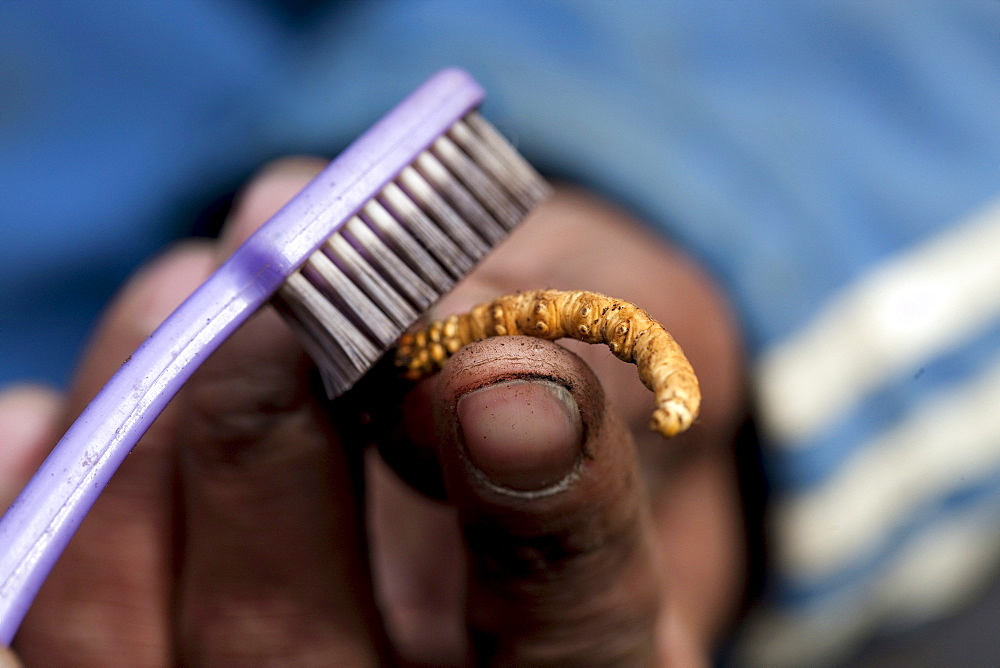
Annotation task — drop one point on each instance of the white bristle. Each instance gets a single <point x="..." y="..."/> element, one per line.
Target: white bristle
<point x="390" y="265"/>
<point x="350" y="298"/>
<point x="432" y="237"/>
<point x="368" y="279"/>
<point x="521" y="179"/>
<point x="406" y="247"/>
<point x="447" y="218"/>
<point x="499" y="203"/>
<point x="484" y="151"/>
<point x="464" y="202"/>
<point x="342" y="352"/>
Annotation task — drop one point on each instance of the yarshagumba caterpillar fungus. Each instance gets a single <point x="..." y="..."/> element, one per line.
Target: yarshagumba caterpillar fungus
<point x="630" y="333"/>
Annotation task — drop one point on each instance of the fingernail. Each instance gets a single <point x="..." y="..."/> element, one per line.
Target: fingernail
<point x="522" y="435"/>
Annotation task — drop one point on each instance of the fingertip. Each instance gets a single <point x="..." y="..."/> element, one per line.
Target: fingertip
<point x="140" y="306"/>
<point x="8" y="659"/>
<point x="29" y="418"/>
<point x="561" y="572"/>
<point x="264" y="194"/>
<point x="27" y="415"/>
<point x="161" y="286"/>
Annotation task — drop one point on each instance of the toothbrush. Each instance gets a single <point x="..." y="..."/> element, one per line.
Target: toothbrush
<point x="351" y="262"/>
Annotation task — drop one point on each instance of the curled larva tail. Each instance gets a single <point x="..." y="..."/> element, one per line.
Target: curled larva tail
<point x="630" y="333"/>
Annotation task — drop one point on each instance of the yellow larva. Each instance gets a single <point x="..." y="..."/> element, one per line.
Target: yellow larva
<point x="630" y="333"/>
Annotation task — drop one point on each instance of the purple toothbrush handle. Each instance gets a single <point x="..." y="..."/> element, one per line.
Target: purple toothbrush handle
<point x="39" y="524"/>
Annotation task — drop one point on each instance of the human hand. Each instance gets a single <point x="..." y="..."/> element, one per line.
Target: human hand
<point x="234" y="532"/>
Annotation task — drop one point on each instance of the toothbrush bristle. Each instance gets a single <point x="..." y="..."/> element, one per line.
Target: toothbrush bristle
<point x="406" y="247"/>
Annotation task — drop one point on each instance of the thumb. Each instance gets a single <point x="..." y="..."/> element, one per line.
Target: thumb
<point x="562" y="568"/>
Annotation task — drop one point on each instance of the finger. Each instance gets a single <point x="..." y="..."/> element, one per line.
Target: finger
<point x="29" y="417"/>
<point x="562" y="568"/>
<point x="274" y="566"/>
<point x="107" y="599"/>
<point x="8" y="659"/>
<point x="563" y="244"/>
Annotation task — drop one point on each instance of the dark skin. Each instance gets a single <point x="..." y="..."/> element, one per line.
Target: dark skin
<point x="570" y="533"/>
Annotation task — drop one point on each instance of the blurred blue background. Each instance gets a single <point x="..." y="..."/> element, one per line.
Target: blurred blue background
<point x="751" y="132"/>
<point x="790" y="147"/>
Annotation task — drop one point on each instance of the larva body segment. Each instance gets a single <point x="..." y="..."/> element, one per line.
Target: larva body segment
<point x="630" y="333"/>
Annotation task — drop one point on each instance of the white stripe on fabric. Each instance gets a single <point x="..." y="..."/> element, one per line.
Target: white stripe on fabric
<point x="950" y="562"/>
<point x="924" y="302"/>
<point x="950" y="442"/>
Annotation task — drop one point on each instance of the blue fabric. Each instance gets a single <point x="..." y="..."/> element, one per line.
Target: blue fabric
<point x="753" y="133"/>
<point x="791" y="147"/>
<point x="835" y="446"/>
